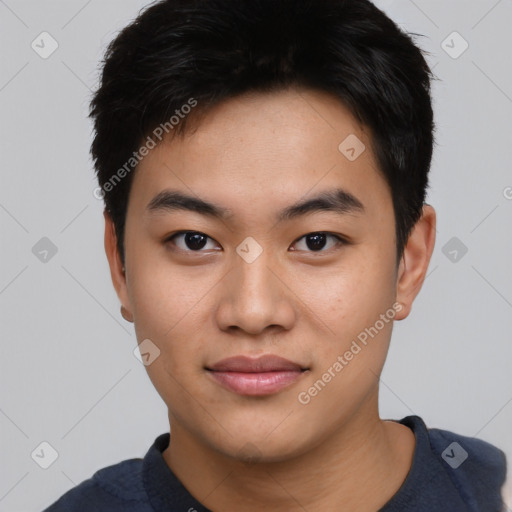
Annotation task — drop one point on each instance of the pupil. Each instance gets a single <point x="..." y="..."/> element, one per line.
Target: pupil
<point x="193" y="240"/>
<point x="318" y="241"/>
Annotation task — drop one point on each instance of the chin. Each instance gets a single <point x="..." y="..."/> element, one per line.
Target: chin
<point x="262" y="448"/>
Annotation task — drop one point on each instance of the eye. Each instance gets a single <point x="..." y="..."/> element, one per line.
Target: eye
<point x="317" y="241"/>
<point x="190" y="241"/>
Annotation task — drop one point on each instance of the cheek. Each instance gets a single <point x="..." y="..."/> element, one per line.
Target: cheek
<point x="169" y="309"/>
<point x="351" y="297"/>
<point x="160" y="296"/>
<point x="165" y="314"/>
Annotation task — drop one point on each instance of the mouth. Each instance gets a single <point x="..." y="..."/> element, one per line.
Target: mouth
<point x="261" y="376"/>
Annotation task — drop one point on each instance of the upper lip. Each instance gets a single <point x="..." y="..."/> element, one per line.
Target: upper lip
<point x="244" y="364"/>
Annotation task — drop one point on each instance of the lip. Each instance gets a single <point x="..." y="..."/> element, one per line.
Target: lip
<point x="260" y="376"/>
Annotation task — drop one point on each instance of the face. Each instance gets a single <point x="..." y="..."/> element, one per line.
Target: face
<point x="249" y="275"/>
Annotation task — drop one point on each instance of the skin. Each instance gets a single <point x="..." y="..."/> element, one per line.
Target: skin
<point x="255" y="155"/>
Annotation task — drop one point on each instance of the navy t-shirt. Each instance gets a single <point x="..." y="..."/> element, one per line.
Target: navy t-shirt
<point x="449" y="472"/>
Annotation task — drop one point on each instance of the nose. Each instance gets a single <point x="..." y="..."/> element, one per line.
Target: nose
<point x="255" y="297"/>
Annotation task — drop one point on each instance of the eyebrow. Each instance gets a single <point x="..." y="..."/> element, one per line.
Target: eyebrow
<point x="336" y="200"/>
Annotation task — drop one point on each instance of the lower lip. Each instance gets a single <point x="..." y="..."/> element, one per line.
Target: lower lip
<point x="256" y="384"/>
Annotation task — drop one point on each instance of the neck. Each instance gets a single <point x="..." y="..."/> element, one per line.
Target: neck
<point x="361" y="465"/>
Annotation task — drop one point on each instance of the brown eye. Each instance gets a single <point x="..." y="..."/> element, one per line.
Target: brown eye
<point x="316" y="242"/>
<point x="190" y="241"/>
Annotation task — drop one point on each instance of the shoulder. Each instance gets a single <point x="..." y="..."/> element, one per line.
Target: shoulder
<point x="476" y="468"/>
<point x="114" y="488"/>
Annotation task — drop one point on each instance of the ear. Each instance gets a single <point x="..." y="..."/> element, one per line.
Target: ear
<point x="117" y="272"/>
<point x="415" y="260"/>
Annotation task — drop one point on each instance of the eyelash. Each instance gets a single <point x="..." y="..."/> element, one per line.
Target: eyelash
<point x="340" y="241"/>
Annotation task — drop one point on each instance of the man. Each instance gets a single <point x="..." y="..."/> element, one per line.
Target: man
<point x="264" y="166"/>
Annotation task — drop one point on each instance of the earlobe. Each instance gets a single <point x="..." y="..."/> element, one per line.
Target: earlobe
<point x="126" y="314"/>
<point x="415" y="260"/>
<point x="117" y="270"/>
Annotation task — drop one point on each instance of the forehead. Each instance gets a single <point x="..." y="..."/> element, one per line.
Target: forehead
<point x="258" y="149"/>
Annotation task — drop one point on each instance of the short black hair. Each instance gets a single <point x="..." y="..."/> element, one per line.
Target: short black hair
<point x="178" y="58"/>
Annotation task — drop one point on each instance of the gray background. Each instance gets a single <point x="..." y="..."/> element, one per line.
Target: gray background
<point x="68" y="373"/>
